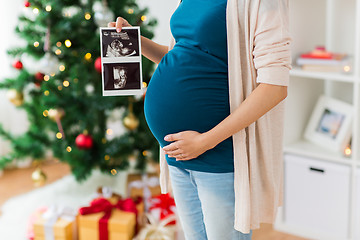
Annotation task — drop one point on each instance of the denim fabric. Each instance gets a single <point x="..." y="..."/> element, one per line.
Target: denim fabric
<point x="205" y="204"/>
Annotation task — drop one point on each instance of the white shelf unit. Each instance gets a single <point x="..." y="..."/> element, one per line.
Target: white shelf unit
<point x="308" y="149"/>
<point x="336" y="25"/>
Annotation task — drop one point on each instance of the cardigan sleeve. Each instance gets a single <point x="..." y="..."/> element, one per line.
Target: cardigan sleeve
<point x="271" y="52"/>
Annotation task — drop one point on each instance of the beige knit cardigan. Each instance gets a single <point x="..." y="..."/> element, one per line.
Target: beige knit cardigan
<point x="258" y="52"/>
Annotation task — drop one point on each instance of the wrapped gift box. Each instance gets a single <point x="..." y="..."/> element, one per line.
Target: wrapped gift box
<point x="121" y="225"/>
<point x="34" y="217"/>
<point x="137" y="182"/>
<point x="162" y="206"/>
<point x="63" y="229"/>
<point x="157" y="230"/>
<point x="140" y="206"/>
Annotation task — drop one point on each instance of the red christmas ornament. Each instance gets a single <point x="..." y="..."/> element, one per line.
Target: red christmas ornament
<point x="18" y="64"/>
<point x="39" y="77"/>
<point x="97" y="64"/>
<point x="26" y="4"/>
<point x="84" y="141"/>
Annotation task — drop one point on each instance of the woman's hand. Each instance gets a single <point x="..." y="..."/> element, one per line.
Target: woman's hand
<point x="153" y="51"/>
<point x="186" y="146"/>
<point x="120" y="22"/>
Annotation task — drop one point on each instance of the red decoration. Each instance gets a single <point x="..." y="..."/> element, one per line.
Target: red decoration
<point x="321" y="53"/>
<point x="104" y="205"/>
<point x="84" y="141"/>
<point x="27" y="4"/>
<point x="97" y="64"/>
<point x="165" y="203"/>
<point x="39" y="77"/>
<point x="18" y="64"/>
<point x="144" y="94"/>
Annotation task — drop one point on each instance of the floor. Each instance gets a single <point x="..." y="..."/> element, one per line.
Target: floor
<point x="18" y="181"/>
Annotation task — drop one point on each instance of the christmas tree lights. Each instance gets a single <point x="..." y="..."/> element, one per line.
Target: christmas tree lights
<point x="62" y="97"/>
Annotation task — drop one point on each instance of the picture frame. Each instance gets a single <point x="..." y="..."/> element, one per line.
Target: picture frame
<point x="330" y="124"/>
<point x="121" y="61"/>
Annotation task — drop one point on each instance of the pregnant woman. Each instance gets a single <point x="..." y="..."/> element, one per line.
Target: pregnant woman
<point x="215" y="105"/>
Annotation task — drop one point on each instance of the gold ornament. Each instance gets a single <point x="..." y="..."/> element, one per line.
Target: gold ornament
<point x="38" y="177"/>
<point x="130" y="121"/>
<point x="56" y="113"/>
<point x="17" y="98"/>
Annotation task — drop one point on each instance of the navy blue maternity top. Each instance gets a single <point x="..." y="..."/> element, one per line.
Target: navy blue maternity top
<point x="189" y="89"/>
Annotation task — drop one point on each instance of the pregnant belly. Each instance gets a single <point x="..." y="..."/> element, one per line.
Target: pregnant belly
<point x="183" y="95"/>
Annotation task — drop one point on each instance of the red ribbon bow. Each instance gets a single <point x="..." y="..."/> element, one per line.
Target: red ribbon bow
<point x="104" y="205"/>
<point x="164" y="202"/>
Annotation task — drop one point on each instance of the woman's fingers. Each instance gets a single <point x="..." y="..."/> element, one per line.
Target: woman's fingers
<point x="119" y="24"/>
<point x="111" y="24"/>
<point x="179" y="157"/>
<point x="173" y="153"/>
<point x="171" y="147"/>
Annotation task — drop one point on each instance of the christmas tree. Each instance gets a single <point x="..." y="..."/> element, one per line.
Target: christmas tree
<point x="63" y="100"/>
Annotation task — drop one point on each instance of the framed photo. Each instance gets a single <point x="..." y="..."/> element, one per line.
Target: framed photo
<point x="121" y="61"/>
<point x="330" y="124"/>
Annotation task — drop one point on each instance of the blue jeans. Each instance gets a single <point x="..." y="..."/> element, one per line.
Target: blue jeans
<point x="205" y="204"/>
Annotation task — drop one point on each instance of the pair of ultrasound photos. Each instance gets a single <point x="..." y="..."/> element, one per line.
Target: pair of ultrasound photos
<point x="121" y="61"/>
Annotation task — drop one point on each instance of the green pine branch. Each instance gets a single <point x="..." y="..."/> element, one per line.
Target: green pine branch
<point x="84" y="109"/>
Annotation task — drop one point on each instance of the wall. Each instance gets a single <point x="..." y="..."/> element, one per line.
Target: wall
<point x="10" y="117"/>
<point x="161" y="10"/>
<point x="14" y="119"/>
